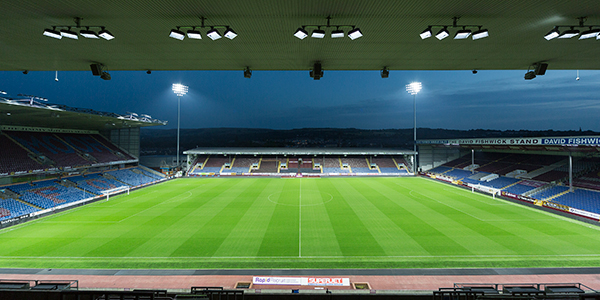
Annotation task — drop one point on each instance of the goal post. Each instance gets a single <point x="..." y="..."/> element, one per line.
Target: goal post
<point x="117" y="190"/>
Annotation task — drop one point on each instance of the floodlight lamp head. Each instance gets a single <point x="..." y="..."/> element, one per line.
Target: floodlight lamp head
<point x="413" y="88"/>
<point x="442" y="34"/>
<point x="180" y="89"/>
<point x="426" y="33"/>
<point x="301" y="33"/>
<point x="354" y="34"/>
<point x="552" y="34"/>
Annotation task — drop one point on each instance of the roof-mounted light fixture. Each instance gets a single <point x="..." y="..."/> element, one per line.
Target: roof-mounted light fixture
<point x="461" y="34"/>
<point x="593" y="31"/>
<point x="85" y="31"/>
<point x="319" y="31"/>
<point x="194" y="33"/>
<point x="385" y="73"/>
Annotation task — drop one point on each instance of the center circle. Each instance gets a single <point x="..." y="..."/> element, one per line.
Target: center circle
<point x="306" y="198"/>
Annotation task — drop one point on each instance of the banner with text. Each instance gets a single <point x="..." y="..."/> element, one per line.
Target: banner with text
<point x="568" y="141"/>
<point x="327" y="281"/>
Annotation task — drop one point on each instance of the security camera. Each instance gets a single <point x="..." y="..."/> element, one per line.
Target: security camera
<point x="474" y="71"/>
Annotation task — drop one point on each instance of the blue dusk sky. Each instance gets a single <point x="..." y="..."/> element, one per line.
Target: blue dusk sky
<point x="344" y="99"/>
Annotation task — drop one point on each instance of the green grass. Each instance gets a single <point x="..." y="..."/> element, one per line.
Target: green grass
<point x="301" y="223"/>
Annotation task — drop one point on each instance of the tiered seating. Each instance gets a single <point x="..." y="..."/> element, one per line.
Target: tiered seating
<point x="112" y="147"/>
<point x="242" y="164"/>
<point x="48" y="194"/>
<point x="88" y="143"/>
<point x="15" y="159"/>
<point x="440" y="169"/>
<point x="501" y="182"/>
<point x="51" y="146"/>
<point x="551" y="176"/>
<point x="524" y="187"/>
<point x="555" y="190"/>
<point x="95" y="183"/>
<point x="589" y="180"/>
<point x="214" y="164"/>
<point x="358" y="164"/>
<point x="267" y="165"/>
<point x="332" y="165"/>
<point x="11" y="208"/>
<point x="132" y="177"/>
<point x="581" y="199"/>
<point x="458" y="174"/>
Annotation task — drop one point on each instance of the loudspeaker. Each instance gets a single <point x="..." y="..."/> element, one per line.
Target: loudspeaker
<point x="96" y="69"/>
<point x="540" y="68"/>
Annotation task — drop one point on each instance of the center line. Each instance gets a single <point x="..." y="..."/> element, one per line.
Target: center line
<point x="300" y="222"/>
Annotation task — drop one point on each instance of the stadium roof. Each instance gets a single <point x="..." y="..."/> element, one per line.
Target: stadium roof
<point x="265" y="38"/>
<point x="296" y="151"/>
<point x="40" y="114"/>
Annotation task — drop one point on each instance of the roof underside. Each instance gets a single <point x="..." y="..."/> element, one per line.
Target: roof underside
<point x="296" y="151"/>
<point x="265" y="42"/>
<point x="23" y="115"/>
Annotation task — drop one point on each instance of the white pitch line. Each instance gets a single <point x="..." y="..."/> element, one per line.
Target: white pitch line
<point x="300" y="222"/>
<point x="304" y="257"/>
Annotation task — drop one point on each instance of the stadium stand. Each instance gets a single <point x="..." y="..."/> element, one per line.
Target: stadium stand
<point x="581" y="199"/>
<point x="214" y="164"/>
<point x="267" y="165"/>
<point x="92" y="145"/>
<point x="48" y="193"/>
<point x="523" y="187"/>
<point x="95" y="183"/>
<point x="10" y="208"/>
<point x="133" y="177"/>
<point x="15" y="160"/>
<point x="49" y="145"/>
<point x="332" y="165"/>
<point x="589" y="180"/>
<point x="242" y="164"/>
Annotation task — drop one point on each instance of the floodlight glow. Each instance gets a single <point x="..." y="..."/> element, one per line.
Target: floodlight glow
<point x="592" y="33"/>
<point x="180" y="89"/>
<point x="52" y="33"/>
<point x="230" y="34"/>
<point x="194" y="34"/>
<point x="479" y="34"/>
<point x="569" y="34"/>
<point x="88" y="34"/>
<point x="462" y="34"/>
<point x="354" y="34"/>
<point x="413" y="88"/>
<point x="337" y="34"/>
<point x="301" y="33"/>
<point x="177" y="34"/>
<point x="69" y="34"/>
<point x="105" y="34"/>
<point x="318" y="34"/>
<point x="554" y="33"/>
<point x="213" y="34"/>
<point x="442" y="34"/>
<point x="426" y="33"/>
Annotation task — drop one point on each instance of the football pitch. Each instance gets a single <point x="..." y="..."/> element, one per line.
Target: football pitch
<point x="217" y="223"/>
